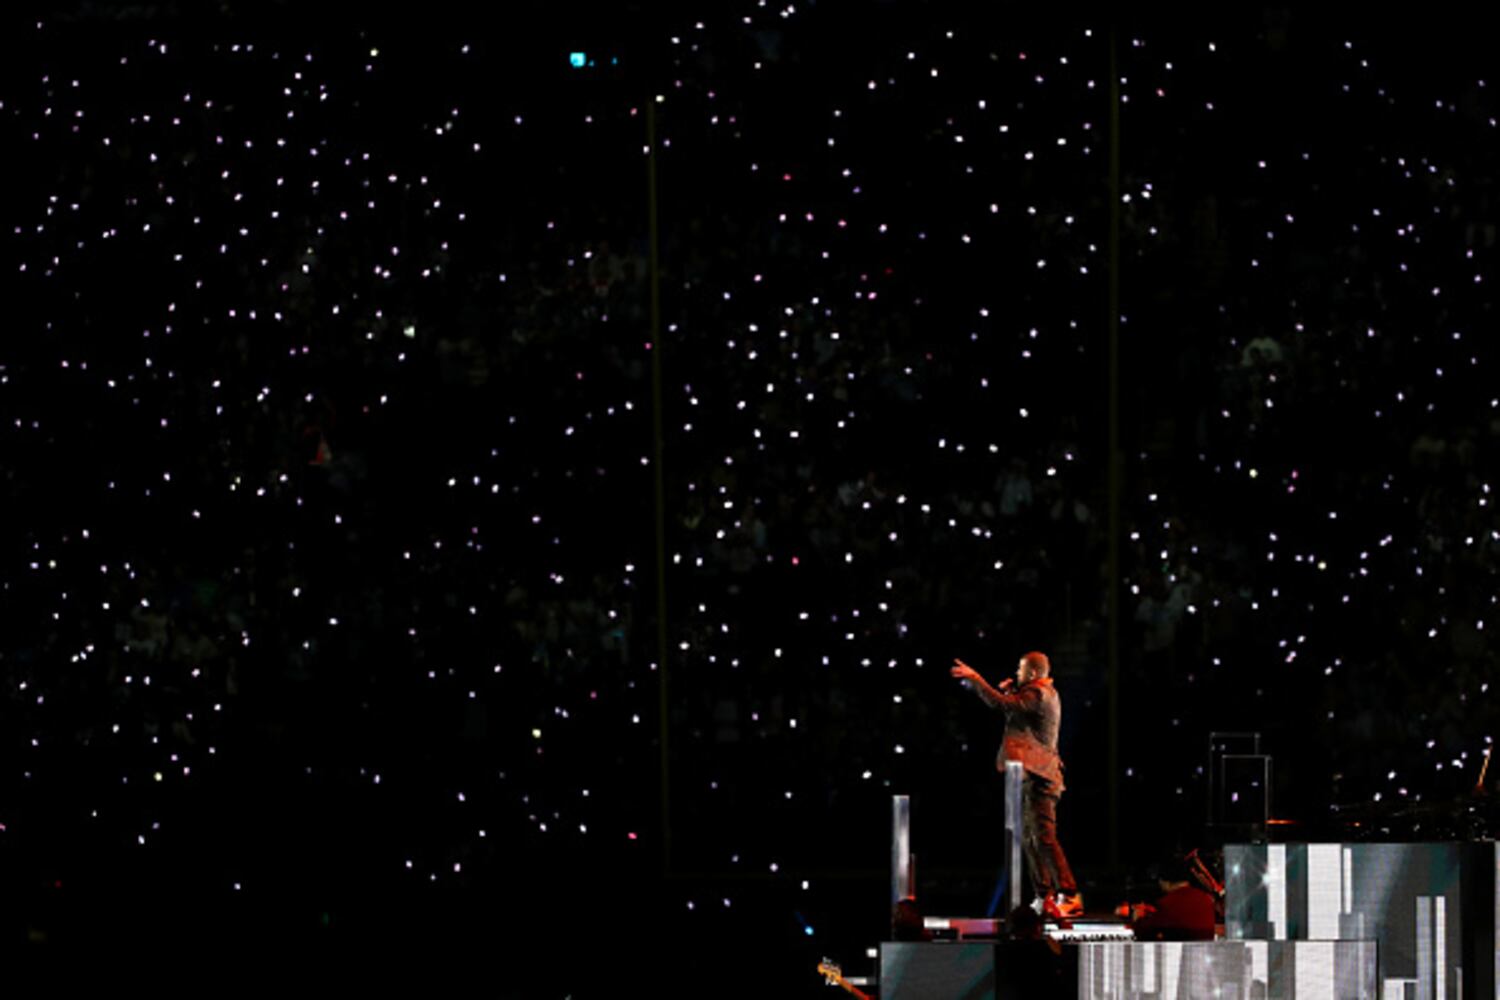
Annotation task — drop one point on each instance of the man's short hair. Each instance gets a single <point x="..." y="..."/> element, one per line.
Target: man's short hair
<point x="1040" y="665"/>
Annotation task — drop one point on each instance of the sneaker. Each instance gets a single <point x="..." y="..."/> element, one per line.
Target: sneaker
<point x="1069" y="904"/>
<point x="1053" y="913"/>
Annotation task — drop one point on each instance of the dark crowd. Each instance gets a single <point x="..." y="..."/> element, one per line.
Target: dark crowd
<point x="329" y="414"/>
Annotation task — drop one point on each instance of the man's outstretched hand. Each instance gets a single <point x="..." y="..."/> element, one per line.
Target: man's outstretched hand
<point x="964" y="672"/>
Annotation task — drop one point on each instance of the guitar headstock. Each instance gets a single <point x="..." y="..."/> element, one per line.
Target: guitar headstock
<point x="834" y="976"/>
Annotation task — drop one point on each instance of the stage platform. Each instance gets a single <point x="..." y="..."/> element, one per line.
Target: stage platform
<point x="1332" y="921"/>
<point x="1343" y="921"/>
<point x="1133" y="970"/>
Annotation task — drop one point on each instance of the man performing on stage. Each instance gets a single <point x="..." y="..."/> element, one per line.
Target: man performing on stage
<point x="1033" y="713"/>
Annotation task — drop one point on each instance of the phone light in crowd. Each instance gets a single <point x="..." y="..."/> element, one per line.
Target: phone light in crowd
<point x="582" y="60"/>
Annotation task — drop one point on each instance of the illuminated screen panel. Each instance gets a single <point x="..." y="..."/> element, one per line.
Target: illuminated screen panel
<point x="956" y="970"/>
<point x="1409" y="898"/>
<point x="1266" y="970"/>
